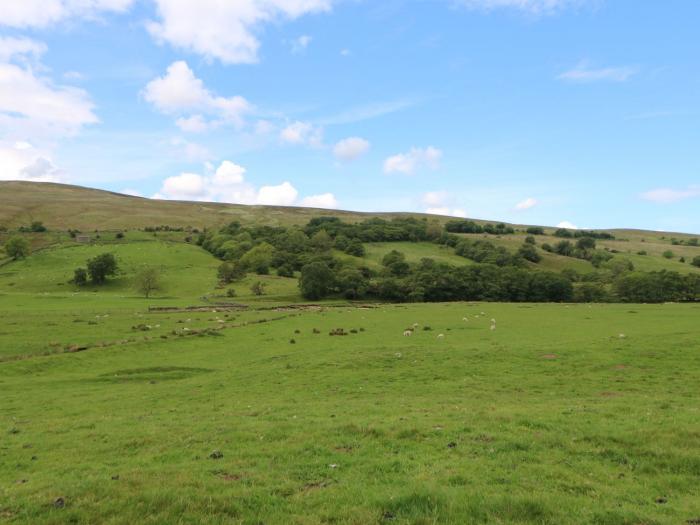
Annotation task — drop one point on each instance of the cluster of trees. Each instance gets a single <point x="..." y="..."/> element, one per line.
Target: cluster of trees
<point x="260" y="249"/>
<point x="430" y="281"/>
<point x="465" y="226"/>
<point x="575" y="234"/>
<point x="34" y="227"/>
<point x="97" y="270"/>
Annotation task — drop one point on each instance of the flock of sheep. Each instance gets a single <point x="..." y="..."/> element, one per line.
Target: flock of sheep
<point x="409" y="331"/>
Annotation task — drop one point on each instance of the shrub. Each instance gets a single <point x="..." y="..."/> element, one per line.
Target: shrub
<point x="529" y="253"/>
<point x="258" y="288"/>
<point x="668" y="254"/>
<point x="80" y="276"/>
<point x="17" y="247"/>
<point x="696" y="261"/>
<point x="535" y="230"/>
<point x="230" y="292"/>
<point x="101" y="267"/>
<point x="530" y="240"/>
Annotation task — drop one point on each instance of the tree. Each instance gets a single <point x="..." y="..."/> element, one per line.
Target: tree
<point x="258" y="288"/>
<point x="696" y="261"/>
<point x="668" y="254"/>
<point x="535" y="230"/>
<point x="316" y="280"/>
<point x="147" y="281"/>
<point x="355" y="248"/>
<point x="321" y="241"/>
<point x="17" y="247"/>
<point x="101" y="267"/>
<point x="586" y="243"/>
<point x="529" y="252"/>
<point x="530" y="240"/>
<point x="80" y="276"/>
<point x="229" y="272"/>
<point x="259" y="258"/>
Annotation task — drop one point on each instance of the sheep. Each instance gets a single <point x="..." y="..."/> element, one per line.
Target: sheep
<point x="407" y="333"/>
<point x="441" y="336"/>
<point x="493" y="321"/>
<point x="465" y="319"/>
<point x="493" y="327"/>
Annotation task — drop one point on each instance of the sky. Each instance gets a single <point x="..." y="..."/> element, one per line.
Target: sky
<point x="582" y="113"/>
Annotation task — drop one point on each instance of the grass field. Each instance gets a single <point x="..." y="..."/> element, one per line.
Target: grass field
<point x="195" y="407"/>
<point x="551" y="418"/>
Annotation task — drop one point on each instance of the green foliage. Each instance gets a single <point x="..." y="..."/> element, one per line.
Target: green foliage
<point x="668" y="254"/>
<point x="258" y="259"/>
<point x="535" y="230"/>
<point x="17" y="247"/>
<point x="317" y="281"/>
<point x="529" y="253"/>
<point x="530" y="240"/>
<point x="229" y="272"/>
<point x="466" y="226"/>
<point x="101" y="267"/>
<point x="147" y="281"/>
<point x="258" y="288"/>
<point x="80" y="277"/>
<point x="696" y="261"/>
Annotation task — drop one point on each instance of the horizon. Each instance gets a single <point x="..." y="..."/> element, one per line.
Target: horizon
<point x="572" y="113"/>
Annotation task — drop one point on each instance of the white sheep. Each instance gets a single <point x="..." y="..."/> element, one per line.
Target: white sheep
<point x="408" y="333"/>
<point x="441" y="336"/>
<point x="465" y="319"/>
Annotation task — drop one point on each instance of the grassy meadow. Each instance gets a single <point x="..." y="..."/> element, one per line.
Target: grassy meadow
<point x="113" y="412"/>
<point x="195" y="406"/>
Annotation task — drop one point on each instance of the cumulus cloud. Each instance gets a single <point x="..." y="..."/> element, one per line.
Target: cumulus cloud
<point x="42" y="13"/>
<point x="227" y="183"/>
<point x="455" y="212"/>
<point x="526" y="204"/>
<point x="302" y="133"/>
<point x="568" y="225"/>
<point x="584" y="73"/>
<point x="325" y="200"/>
<point x="436" y="203"/>
<point x="179" y="92"/>
<point x="22" y="161"/>
<point x="350" y="149"/>
<point x="669" y="195"/>
<point x="224" y="31"/>
<point x="33" y="106"/>
<point x="416" y="158"/>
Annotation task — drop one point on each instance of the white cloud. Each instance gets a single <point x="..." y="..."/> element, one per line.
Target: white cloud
<point x="526" y="204"/>
<point x="224" y="30"/>
<point x="583" y="73"/>
<point x="409" y="163"/>
<point x="350" y="149"/>
<point x="282" y="195"/>
<point x="436" y="203"/>
<point x="325" y="200"/>
<point x="300" y="44"/>
<point x="568" y="225"/>
<point x="531" y="6"/>
<point x="42" y="13"/>
<point x="32" y="106"/>
<point x="193" y="124"/>
<point x="446" y="211"/>
<point x="180" y="92"/>
<point x="302" y="133"/>
<point x="668" y="195"/>
<point x="21" y="161"/>
<point x="227" y="184"/>
<point x="132" y="192"/>
<point x="229" y="174"/>
<point x="20" y="48"/>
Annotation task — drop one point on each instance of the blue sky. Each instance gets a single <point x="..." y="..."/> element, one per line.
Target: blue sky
<point x="531" y="111"/>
